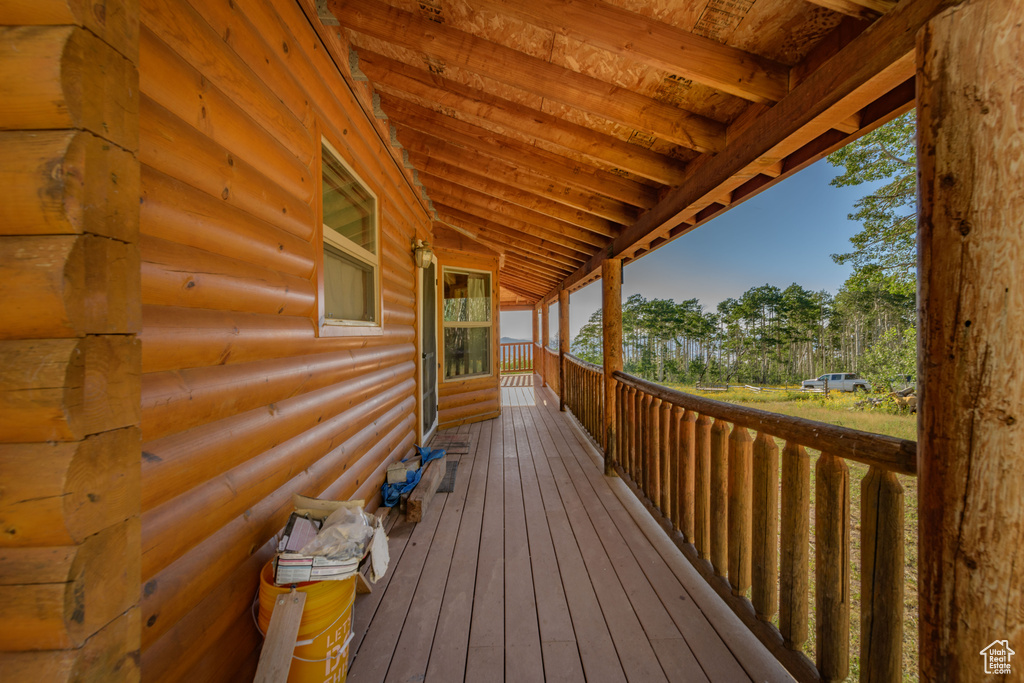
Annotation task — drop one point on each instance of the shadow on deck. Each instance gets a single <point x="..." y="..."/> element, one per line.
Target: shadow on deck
<point x="537" y="567"/>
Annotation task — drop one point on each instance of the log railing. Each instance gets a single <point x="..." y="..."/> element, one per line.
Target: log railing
<point x="515" y="357"/>
<point x="718" y="486"/>
<point x="584" y="395"/>
<point x="551" y="369"/>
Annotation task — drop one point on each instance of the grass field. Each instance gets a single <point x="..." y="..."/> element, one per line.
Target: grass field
<point x="839" y="409"/>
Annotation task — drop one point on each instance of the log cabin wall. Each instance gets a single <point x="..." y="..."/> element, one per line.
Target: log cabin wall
<point x="69" y="354"/>
<point x="244" y="401"/>
<point x="461" y="401"/>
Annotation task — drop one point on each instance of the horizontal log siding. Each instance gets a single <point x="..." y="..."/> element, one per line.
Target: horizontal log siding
<point x="242" y="403"/>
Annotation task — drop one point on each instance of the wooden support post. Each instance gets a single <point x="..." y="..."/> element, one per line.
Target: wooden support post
<point x="702" y="477"/>
<point x="795" y="541"/>
<point x="832" y="567"/>
<point x="545" y="335"/>
<point x="765" y="555"/>
<point x="611" y="324"/>
<point x="720" y="497"/>
<point x="881" y="576"/>
<point x="971" y="322"/>
<point x="740" y="495"/>
<point x="563" y="343"/>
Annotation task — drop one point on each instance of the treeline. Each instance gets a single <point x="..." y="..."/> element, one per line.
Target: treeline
<point x="768" y="335"/>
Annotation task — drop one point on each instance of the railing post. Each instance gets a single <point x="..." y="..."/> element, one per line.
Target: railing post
<point x="654" y="451"/>
<point x="687" y="462"/>
<point x="545" y="334"/>
<point x="631" y="419"/>
<point x="676" y="478"/>
<point x="881" y="594"/>
<point x="702" y="497"/>
<point x="740" y="484"/>
<point x="563" y="343"/>
<point x="794" y="579"/>
<point x="720" y="496"/>
<point x="765" y="535"/>
<point x="832" y="566"/>
<point x="666" y="468"/>
<point x="611" y="326"/>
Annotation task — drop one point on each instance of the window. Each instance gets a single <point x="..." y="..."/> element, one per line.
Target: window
<point x="351" y="265"/>
<point x="467" y="323"/>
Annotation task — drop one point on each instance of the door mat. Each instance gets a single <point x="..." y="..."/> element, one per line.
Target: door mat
<point x="447" y="484"/>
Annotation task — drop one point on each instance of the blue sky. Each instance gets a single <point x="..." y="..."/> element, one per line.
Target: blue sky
<point x="784" y="235"/>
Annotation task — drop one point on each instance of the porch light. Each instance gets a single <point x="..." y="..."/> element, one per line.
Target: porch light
<point x="423" y="255"/>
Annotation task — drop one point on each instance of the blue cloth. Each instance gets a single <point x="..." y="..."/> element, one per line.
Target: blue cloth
<point x="392" y="492"/>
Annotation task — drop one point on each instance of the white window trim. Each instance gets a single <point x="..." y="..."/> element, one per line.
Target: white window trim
<point x="445" y="324"/>
<point x="335" y="239"/>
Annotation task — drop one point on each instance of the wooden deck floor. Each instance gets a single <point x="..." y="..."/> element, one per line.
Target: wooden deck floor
<point x="537" y="567"/>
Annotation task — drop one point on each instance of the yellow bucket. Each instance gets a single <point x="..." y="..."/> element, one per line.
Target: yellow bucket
<point x="321" y="650"/>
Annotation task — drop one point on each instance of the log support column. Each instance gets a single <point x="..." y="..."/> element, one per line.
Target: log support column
<point x="545" y="335"/>
<point x="535" y="351"/>
<point x="611" y="323"/>
<point x="70" y="308"/>
<point x="563" y="343"/>
<point x="971" y="322"/>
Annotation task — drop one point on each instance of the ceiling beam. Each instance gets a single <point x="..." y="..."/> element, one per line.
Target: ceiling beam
<point x="559" y="168"/>
<point x="496" y="233"/>
<point x="519" y="176"/>
<point x="500" y="189"/>
<point x="501" y="246"/>
<point x="861" y="9"/>
<point x="544" y="223"/>
<point x="533" y="296"/>
<point x="886" y="43"/>
<point x="537" y="76"/>
<point x="489" y="111"/>
<point x="656" y="44"/>
<point x="503" y="221"/>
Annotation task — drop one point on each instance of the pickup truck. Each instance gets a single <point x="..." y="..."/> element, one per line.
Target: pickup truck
<point x="838" y="381"/>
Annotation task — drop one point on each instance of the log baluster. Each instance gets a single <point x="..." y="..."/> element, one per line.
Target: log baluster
<point x="629" y="432"/>
<point x="642" y="445"/>
<point x="654" y="452"/>
<point x="720" y="496"/>
<point x="664" y="422"/>
<point x="675" y="426"/>
<point x="795" y="543"/>
<point x="740" y="484"/>
<point x="832" y="567"/>
<point x="687" y="460"/>
<point x="702" y="495"/>
<point x="765" y="533"/>
<point x="881" y="609"/>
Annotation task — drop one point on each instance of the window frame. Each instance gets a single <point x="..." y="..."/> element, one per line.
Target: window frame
<point x="468" y="324"/>
<point x="326" y="235"/>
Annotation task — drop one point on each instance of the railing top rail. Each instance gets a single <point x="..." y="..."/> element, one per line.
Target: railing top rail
<point x="520" y="343"/>
<point x="890" y="453"/>
<point x="586" y="365"/>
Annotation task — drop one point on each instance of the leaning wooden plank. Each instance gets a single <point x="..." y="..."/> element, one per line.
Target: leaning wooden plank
<point x="421" y="496"/>
<point x="276" y="657"/>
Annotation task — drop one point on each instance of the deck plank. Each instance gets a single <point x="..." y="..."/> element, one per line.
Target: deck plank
<point x="522" y="637"/>
<point x="537" y="567"/>
<point x="451" y="638"/>
<point x="710" y="651"/>
<point x="487" y="628"/>
<point x="414" y="644"/>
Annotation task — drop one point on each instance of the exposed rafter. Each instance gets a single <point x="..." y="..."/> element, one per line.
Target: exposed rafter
<point x="533" y="75"/>
<point x="660" y="45"/>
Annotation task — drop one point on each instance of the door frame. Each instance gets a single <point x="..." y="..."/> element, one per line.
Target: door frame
<point x="425" y="434"/>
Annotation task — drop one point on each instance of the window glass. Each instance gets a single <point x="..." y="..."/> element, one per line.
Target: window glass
<point x="466" y="316"/>
<point x="350" y="265"/>
<point x="467" y="297"/>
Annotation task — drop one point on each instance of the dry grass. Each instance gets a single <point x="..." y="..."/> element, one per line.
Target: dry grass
<point x="839" y="409"/>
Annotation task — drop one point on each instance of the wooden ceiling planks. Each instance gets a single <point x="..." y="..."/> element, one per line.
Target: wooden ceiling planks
<point x="561" y="133"/>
